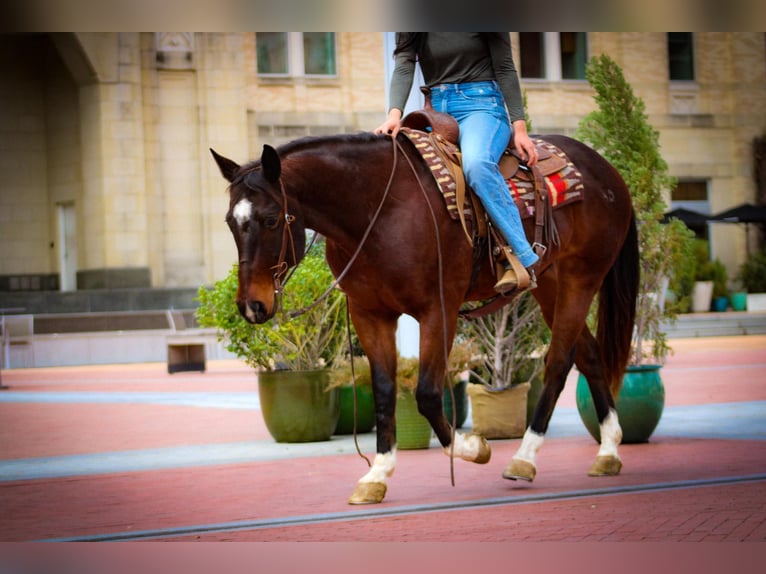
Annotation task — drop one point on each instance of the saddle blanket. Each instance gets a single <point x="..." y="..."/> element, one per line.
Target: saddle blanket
<point x="563" y="187"/>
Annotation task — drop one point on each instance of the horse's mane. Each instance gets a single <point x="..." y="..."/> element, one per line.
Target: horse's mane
<point x="310" y="143"/>
<point x="313" y="142"/>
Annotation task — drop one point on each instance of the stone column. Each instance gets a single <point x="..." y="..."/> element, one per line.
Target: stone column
<point x="114" y="192"/>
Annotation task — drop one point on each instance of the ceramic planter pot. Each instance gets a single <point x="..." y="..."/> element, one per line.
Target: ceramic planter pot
<point x="365" y="410"/>
<point x="639" y="404"/>
<point x="720" y="304"/>
<point x="739" y="301"/>
<point x="413" y="431"/>
<point x="702" y="296"/>
<point x="296" y="405"/>
<point x="499" y="414"/>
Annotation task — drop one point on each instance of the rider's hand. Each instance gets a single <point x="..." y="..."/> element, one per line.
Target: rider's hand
<point x="523" y="143"/>
<point x="392" y="124"/>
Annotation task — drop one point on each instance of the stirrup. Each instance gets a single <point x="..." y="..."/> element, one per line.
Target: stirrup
<point x="514" y="278"/>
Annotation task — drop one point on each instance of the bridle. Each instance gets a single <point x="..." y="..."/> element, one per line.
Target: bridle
<point x="281" y="268"/>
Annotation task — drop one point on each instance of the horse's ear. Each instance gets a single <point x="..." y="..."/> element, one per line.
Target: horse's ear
<point x="228" y="168"/>
<point x="272" y="166"/>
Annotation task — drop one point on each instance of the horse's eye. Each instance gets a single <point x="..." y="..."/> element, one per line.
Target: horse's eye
<point x="271" y="222"/>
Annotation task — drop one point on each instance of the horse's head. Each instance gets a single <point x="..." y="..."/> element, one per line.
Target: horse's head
<point x="270" y="237"/>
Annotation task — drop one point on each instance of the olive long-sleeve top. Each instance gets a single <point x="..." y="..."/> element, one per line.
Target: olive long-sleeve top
<point x="456" y="58"/>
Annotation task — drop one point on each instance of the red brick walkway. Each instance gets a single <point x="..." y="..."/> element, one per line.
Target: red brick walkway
<point x="701" y="489"/>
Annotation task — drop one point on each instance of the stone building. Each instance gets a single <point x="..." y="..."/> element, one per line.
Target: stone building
<point x="107" y="182"/>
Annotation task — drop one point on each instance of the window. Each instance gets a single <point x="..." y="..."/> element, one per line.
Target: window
<point x="553" y="55"/>
<point x="573" y="55"/>
<point x="285" y="54"/>
<point x="681" y="56"/>
<point x="692" y="195"/>
<point x="532" y="54"/>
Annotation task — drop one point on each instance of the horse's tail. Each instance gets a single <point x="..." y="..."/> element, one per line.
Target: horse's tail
<point x="617" y="309"/>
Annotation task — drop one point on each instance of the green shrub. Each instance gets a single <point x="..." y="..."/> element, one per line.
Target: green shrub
<point x="310" y="341"/>
<point x="752" y="274"/>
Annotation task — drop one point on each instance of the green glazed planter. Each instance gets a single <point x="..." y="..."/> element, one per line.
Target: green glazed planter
<point x="639" y="404"/>
<point x="413" y="431"/>
<point x="720" y="304"/>
<point x="739" y="301"/>
<point x="296" y="405"/>
<point x="365" y="410"/>
<point x="461" y="402"/>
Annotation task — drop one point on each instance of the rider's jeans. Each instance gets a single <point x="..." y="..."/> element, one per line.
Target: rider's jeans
<point x="485" y="132"/>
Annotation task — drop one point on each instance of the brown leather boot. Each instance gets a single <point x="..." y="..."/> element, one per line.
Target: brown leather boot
<point x="514" y="277"/>
<point x="508" y="282"/>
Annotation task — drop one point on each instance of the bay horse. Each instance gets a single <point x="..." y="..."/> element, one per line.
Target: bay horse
<point x="358" y="192"/>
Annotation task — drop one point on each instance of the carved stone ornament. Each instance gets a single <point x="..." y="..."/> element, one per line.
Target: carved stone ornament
<point x="175" y="50"/>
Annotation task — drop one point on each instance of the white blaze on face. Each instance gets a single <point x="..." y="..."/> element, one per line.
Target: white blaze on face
<point x="611" y="435"/>
<point x="382" y="467"/>
<point x="242" y="211"/>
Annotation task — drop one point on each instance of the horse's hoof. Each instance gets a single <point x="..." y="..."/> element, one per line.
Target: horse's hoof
<point x="368" y="493"/>
<point x="485" y="452"/>
<point x="605" y="465"/>
<point x="520" y="470"/>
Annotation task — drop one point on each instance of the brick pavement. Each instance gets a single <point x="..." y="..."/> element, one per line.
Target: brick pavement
<point x="704" y="371"/>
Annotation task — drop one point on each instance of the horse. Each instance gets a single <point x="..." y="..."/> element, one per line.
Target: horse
<point x="395" y="249"/>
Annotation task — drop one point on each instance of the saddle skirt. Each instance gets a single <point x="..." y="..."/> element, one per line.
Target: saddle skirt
<point x="563" y="183"/>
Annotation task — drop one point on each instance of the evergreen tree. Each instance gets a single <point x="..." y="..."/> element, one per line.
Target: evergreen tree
<point x="620" y="131"/>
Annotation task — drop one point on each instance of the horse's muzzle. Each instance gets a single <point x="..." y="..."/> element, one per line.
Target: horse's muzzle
<point x="254" y="311"/>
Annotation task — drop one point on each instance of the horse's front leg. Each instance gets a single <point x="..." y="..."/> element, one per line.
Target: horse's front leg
<point x="378" y="338"/>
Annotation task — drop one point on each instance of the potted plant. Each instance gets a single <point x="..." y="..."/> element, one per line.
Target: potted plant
<point x="413" y="431"/>
<point x="620" y="131"/>
<point x="291" y="355"/>
<point x="720" y="286"/>
<point x="702" y="293"/>
<point x="511" y="341"/>
<point x="752" y="276"/>
<point x="682" y="279"/>
<point x="357" y="405"/>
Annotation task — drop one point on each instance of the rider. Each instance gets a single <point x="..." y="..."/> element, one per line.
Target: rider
<point x="472" y="77"/>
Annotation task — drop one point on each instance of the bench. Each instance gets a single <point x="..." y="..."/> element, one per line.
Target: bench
<point x="186" y="347"/>
<point x="57" y="339"/>
<point x="16" y="333"/>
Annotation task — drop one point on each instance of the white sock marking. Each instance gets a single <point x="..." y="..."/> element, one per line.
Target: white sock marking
<point x="467" y="448"/>
<point x="530" y="444"/>
<point x="382" y="467"/>
<point x="611" y="435"/>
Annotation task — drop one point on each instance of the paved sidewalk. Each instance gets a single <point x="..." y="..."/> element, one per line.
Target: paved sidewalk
<point x="127" y="451"/>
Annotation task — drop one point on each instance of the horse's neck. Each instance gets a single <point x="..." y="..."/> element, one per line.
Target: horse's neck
<point x="335" y="190"/>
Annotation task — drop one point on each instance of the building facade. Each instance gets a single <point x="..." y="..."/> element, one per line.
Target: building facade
<point x="108" y="182"/>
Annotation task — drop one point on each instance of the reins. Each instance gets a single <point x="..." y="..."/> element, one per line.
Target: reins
<point x="351" y="261"/>
<point x="445" y="342"/>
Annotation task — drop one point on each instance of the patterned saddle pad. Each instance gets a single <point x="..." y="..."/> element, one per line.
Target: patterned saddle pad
<point x="563" y="186"/>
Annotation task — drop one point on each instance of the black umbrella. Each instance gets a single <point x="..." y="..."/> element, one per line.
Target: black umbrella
<point x="687" y="216"/>
<point x="746" y="213"/>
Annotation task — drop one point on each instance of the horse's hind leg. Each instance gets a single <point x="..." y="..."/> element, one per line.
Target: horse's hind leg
<point x="473" y="447"/>
<point x="567" y="317"/>
<point x="587" y="359"/>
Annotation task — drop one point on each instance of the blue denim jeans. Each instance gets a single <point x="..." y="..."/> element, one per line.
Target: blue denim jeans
<point x="485" y="132"/>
